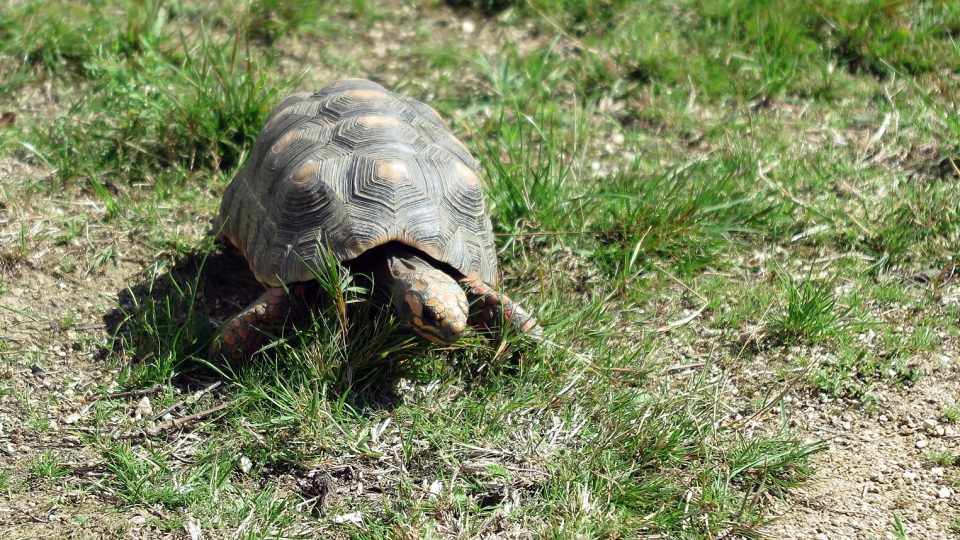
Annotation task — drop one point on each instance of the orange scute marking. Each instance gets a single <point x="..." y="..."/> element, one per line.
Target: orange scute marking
<point x="380" y="121"/>
<point x="392" y="171"/>
<point x="467" y="176"/>
<point x="366" y="93"/>
<point x="306" y="172"/>
<point x="283" y="142"/>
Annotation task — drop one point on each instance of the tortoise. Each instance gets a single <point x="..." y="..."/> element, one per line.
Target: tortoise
<point x="376" y="179"/>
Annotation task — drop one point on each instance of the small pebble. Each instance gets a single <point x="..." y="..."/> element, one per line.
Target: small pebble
<point x="945" y="493"/>
<point x="922" y="443"/>
<point x="143" y="408"/>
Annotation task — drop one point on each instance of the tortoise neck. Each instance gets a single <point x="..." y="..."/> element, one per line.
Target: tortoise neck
<point x="395" y="267"/>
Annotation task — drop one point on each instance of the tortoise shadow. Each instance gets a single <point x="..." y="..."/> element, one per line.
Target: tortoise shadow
<point x="164" y="323"/>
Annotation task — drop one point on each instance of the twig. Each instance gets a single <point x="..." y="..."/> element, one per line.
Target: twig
<point x="679" y="368"/>
<point x="176" y="423"/>
<point x="192" y="398"/>
<point x="34" y="518"/>
<point x="678" y="323"/>
<point x="816" y="229"/>
<point x="682" y="284"/>
<point x="953" y="165"/>
<point x="135" y="393"/>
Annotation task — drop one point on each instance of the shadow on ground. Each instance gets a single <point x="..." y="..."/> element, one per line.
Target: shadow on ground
<point x="164" y="323"/>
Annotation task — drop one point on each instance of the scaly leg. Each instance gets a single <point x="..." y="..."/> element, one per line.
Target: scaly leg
<point x="247" y="331"/>
<point x="489" y="307"/>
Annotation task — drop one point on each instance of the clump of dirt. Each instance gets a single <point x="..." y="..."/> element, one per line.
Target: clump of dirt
<point x="931" y="164"/>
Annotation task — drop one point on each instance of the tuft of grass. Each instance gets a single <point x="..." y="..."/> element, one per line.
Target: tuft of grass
<point x="161" y="325"/>
<point x="207" y="489"/>
<point x="876" y="35"/>
<point x="59" y="39"/>
<point x="943" y="458"/>
<point x="812" y="310"/>
<point x="146" y="479"/>
<point x="48" y="466"/>
<point x="272" y="19"/>
<point x="851" y="368"/>
<point x="899" y="529"/>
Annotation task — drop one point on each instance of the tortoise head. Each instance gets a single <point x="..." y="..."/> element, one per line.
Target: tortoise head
<point x="429" y="300"/>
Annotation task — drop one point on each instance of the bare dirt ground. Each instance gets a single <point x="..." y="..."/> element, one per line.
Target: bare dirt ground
<point x="53" y="333"/>
<point x="876" y="465"/>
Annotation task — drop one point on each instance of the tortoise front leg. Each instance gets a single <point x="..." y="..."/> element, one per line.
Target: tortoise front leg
<point x="247" y="331"/>
<point x="489" y="308"/>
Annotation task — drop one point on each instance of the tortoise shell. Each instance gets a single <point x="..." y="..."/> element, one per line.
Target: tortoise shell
<point x="354" y="166"/>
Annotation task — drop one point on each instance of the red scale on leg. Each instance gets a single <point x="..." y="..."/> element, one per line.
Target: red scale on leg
<point x="246" y="332"/>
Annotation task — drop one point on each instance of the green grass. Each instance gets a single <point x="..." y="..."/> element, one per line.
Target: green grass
<point x="813" y="309"/>
<point x="712" y="184"/>
<point x="628" y="216"/>
<point x="47" y="466"/>
<point x="944" y="458"/>
<point x="169" y="115"/>
<point x="55" y="40"/>
<point x="899" y="529"/>
<point x="161" y="322"/>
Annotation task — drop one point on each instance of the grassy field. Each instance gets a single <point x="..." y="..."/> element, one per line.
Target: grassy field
<point x="738" y="222"/>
